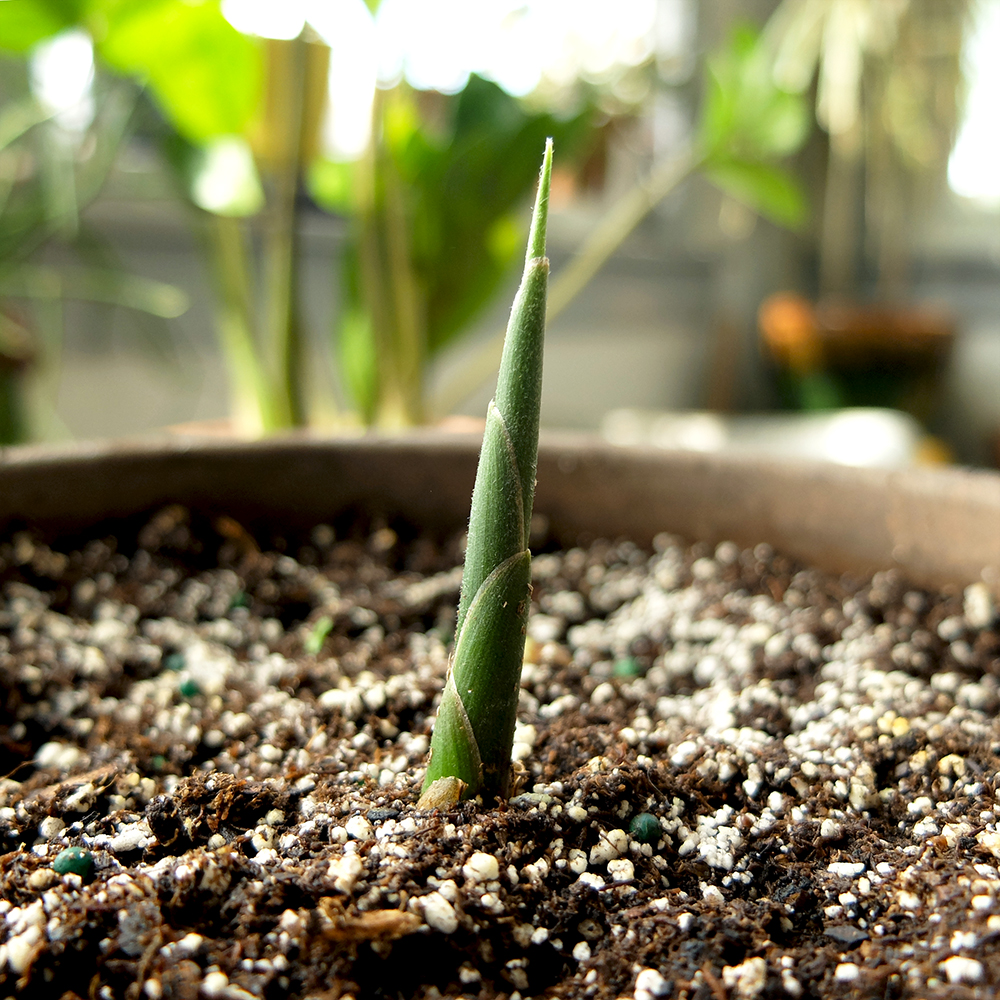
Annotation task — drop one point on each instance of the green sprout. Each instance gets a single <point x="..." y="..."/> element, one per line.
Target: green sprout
<point x="313" y="642"/>
<point x="475" y="724"/>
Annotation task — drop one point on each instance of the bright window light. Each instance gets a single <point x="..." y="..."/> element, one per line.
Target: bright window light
<point x="62" y="77"/>
<point x="348" y="28"/>
<point x="267" y="18"/>
<point x="225" y="180"/>
<point x="974" y="166"/>
<point x="437" y="44"/>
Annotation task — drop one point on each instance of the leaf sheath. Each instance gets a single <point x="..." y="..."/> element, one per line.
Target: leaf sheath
<point x="475" y="724"/>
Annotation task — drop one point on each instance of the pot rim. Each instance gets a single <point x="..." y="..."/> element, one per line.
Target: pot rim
<point x="937" y="525"/>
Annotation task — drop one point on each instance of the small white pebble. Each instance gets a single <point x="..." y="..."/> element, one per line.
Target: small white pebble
<point x="215" y="984"/>
<point x="270" y="753"/>
<point x="22" y="947"/>
<point x="747" y="979"/>
<point x="621" y="870"/>
<point x="963" y="940"/>
<point x="960" y="969"/>
<point x="611" y="845"/>
<point x="130" y="839"/>
<point x="345" y="872"/>
<point x="589" y="878"/>
<point x="481" y="867"/>
<point x="978" y="606"/>
<point x="439" y="913"/>
<point x="581" y="951"/>
<point x="602" y="694"/>
<point x="791" y="985"/>
<point x="189" y="944"/>
<point x="358" y="828"/>
<point x="51" y="827"/>
<point x="846" y="869"/>
<point x="830" y="829"/>
<point x="846" y="972"/>
<point x="649" y="984"/>
<point x="712" y="894"/>
<point x="468" y="974"/>
<point x="684" y="753"/>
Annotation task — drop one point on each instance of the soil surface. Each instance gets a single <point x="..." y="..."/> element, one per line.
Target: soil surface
<point x="739" y="778"/>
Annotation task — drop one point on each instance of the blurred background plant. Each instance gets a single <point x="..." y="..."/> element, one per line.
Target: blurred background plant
<point x="434" y="198"/>
<point x="356" y="174"/>
<point x="887" y="78"/>
<point x="57" y="145"/>
<point x="436" y="224"/>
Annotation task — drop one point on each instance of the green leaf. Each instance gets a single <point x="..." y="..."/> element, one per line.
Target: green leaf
<point x="770" y="191"/>
<point x="331" y="184"/>
<point x="313" y="643"/>
<point x="25" y="23"/>
<point x="474" y="183"/>
<point x="745" y="114"/>
<point x="205" y="75"/>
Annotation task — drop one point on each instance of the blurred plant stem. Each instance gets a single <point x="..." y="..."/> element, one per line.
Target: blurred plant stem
<point x="281" y="162"/>
<point x="389" y="286"/>
<point x="435" y="210"/>
<point x="838" y="242"/>
<point x="258" y="321"/>
<point x="251" y="403"/>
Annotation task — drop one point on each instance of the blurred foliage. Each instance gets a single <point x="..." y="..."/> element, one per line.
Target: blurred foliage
<point x="433" y="205"/>
<point x="48" y="174"/>
<point x="433" y="209"/>
<point x="747" y="124"/>
<point x="888" y="81"/>
<point x="436" y="226"/>
<point x="204" y="74"/>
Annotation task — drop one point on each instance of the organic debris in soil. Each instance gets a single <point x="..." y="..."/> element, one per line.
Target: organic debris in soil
<point x="215" y="747"/>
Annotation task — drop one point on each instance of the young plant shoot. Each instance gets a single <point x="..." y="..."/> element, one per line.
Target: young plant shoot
<point x="474" y="730"/>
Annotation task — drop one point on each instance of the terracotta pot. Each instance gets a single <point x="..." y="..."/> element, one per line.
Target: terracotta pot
<point x="936" y="526"/>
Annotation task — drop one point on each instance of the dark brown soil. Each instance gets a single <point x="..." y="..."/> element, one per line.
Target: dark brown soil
<point x="233" y="730"/>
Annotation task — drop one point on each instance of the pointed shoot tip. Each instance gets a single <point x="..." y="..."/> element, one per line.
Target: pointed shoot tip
<point x="540" y="216"/>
